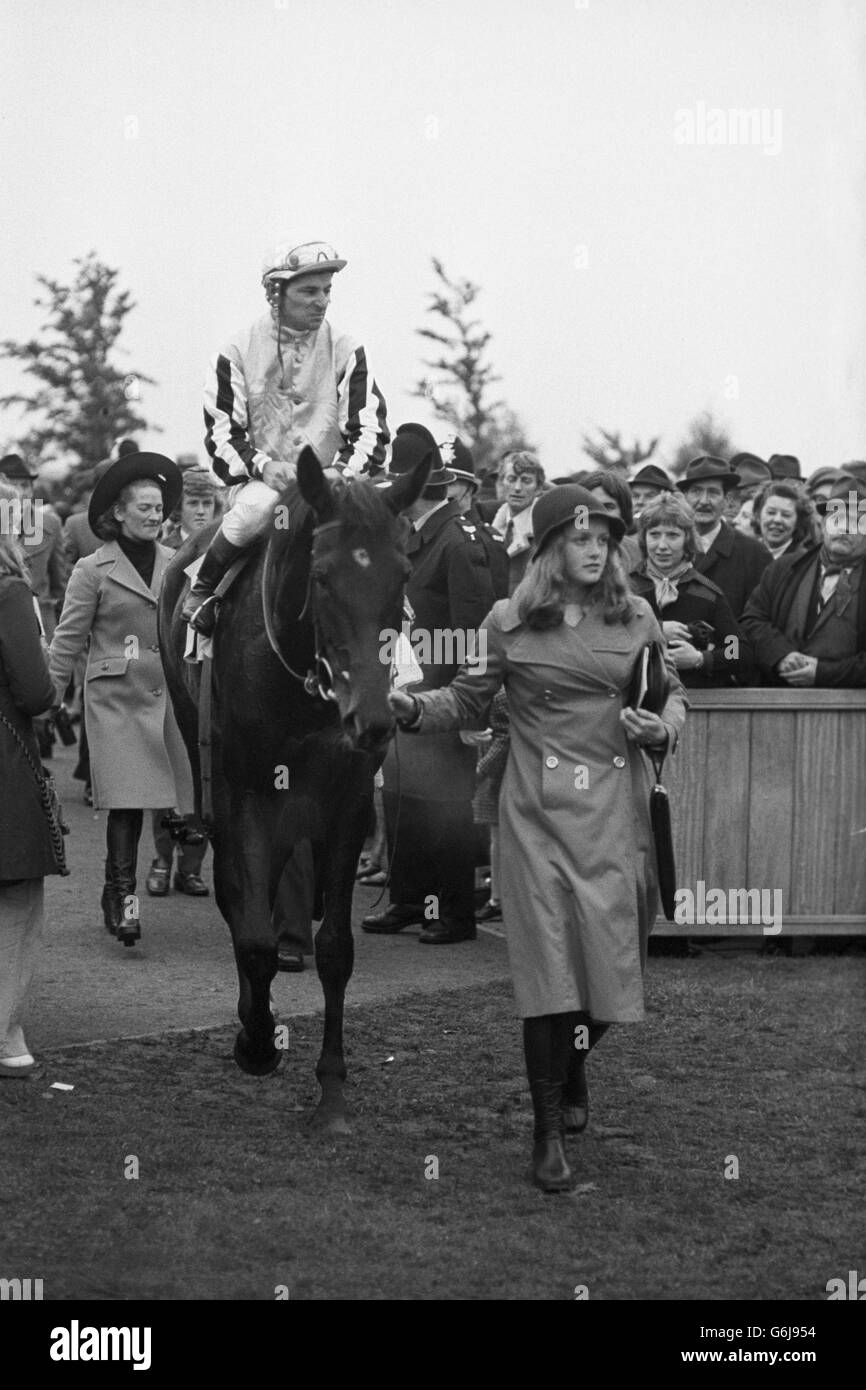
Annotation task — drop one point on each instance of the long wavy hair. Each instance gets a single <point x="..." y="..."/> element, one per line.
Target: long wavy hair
<point x="540" y="596"/>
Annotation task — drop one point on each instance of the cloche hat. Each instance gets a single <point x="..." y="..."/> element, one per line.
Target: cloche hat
<point x="569" y="503"/>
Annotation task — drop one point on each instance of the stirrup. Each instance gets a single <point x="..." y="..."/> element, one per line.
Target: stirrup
<point x="201" y="620"/>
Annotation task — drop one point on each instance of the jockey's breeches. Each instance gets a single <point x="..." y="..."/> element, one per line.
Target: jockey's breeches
<point x="250" y="512"/>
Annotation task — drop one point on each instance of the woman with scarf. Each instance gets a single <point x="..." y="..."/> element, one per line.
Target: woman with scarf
<point x="705" y="641"/>
<point x="137" y="757"/>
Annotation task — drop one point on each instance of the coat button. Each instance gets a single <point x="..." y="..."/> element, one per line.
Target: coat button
<point x="157" y="691"/>
<point x="619" y="761"/>
<point x="551" y="761"/>
<point x="154" y="647"/>
<point x="612" y="694"/>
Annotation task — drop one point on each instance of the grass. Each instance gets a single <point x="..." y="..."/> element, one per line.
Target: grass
<point x="748" y="1058"/>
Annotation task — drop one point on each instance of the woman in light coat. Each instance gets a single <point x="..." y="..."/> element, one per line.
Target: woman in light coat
<point x="137" y="756"/>
<point x="579" y="886"/>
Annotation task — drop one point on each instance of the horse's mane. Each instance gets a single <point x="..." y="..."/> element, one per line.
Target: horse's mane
<point x="360" y="507"/>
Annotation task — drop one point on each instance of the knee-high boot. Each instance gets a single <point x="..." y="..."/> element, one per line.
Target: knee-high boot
<point x="546" y="1069"/>
<point x="198" y="608"/>
<point x="575" y="1096"/>
<point x="119" y="904"/>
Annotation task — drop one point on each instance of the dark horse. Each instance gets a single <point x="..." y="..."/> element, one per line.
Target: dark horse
<point x="294" y="761"/>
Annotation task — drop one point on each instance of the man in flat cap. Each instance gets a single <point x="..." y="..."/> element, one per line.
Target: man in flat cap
<point x="753" y="473"/>
<point x="647" y="484"/>
<point x="807" y="617"/>
<point x="731" y="559"/>
<point x="784" y="466"/>
<point x="289" y="380"/>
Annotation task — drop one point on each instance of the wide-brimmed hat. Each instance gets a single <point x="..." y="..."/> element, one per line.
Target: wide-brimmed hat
<point x="751" y="470"/>
<point x="289" y="259"/>
<point x="134" y="468"/>
<point x="13" y="466"/>
<point x="706" y="469"/>
<point x="569" y="503"/>
<point x="459" y="461"/>
<point x="784" y="466"/>
<point x="652" y="476"/>
<point x="411" y="444"/>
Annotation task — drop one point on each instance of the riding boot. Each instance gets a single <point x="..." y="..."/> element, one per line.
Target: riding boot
<point x="575" y="1095"/>
<point x="545" y="1068"/>
<point x="122" y="833"/>
<point x="112" y="907"/>
<point x="199" y="607"/>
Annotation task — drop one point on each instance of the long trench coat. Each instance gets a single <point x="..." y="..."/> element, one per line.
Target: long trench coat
<point x="579" y="886"/>
<point x="137" y="755"/>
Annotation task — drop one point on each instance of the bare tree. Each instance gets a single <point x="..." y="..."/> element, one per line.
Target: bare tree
<point x="610" y="452"/>
<point x="462" y="377"/>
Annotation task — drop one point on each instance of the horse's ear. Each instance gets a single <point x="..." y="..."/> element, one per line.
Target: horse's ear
<point x="314" y="486"/>
<point x="409" y="487"/>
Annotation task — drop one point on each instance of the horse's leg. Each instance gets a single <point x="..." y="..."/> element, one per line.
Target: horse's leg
<point x="242" y="894"/>
<point x="335" y="956"/>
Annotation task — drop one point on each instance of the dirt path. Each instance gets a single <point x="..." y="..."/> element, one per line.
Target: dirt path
<point x="182" y="974"/>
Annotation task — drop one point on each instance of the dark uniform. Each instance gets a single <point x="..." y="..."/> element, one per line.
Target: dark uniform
<point x="450" y="591"/>
<point x="494" y="546"/>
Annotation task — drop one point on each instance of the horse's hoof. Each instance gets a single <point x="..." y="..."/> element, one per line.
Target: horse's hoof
<point x="330" y="1123"/>
<point x="252" y="1064"/>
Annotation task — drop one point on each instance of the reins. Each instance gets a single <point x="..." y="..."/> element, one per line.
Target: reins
<point x="312" y="681"/>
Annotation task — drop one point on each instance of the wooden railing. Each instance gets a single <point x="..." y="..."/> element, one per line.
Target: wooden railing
<point x="768" y="792"/>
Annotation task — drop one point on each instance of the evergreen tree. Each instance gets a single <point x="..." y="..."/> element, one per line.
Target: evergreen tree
<point x="459" y="392"/>
<point x="82" y="401"/>
<point x="704" y="435"/>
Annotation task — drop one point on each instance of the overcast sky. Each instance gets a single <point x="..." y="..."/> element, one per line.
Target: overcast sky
<point x="642" y="255"/>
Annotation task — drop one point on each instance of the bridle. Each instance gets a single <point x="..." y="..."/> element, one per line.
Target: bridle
<point x="313" y="682"/>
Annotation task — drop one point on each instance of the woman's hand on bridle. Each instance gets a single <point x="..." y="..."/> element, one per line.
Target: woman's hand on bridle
<point x="403" y="705"/>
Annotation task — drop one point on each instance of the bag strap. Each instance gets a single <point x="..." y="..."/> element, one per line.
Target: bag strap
<point x="657" y="758"/>
<point x="57" y="846"/>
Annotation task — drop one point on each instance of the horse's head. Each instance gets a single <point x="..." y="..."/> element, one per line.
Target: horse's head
<point x="358" y="573"/>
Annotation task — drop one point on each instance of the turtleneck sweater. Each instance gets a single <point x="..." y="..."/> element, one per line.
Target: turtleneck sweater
<point x="141" y="555"/>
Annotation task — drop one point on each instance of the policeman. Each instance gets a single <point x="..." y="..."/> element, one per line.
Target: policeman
<point x="464" y="489"/>
<point x="429" y="783"/>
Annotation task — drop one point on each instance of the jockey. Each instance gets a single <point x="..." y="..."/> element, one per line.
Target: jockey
<point x="288" y="381"/>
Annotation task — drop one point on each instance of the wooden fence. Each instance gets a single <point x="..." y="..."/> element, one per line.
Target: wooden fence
<point x="768" y="792"/>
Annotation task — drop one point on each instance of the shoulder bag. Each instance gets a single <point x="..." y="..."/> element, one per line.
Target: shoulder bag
<point x="50" y="801"/>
